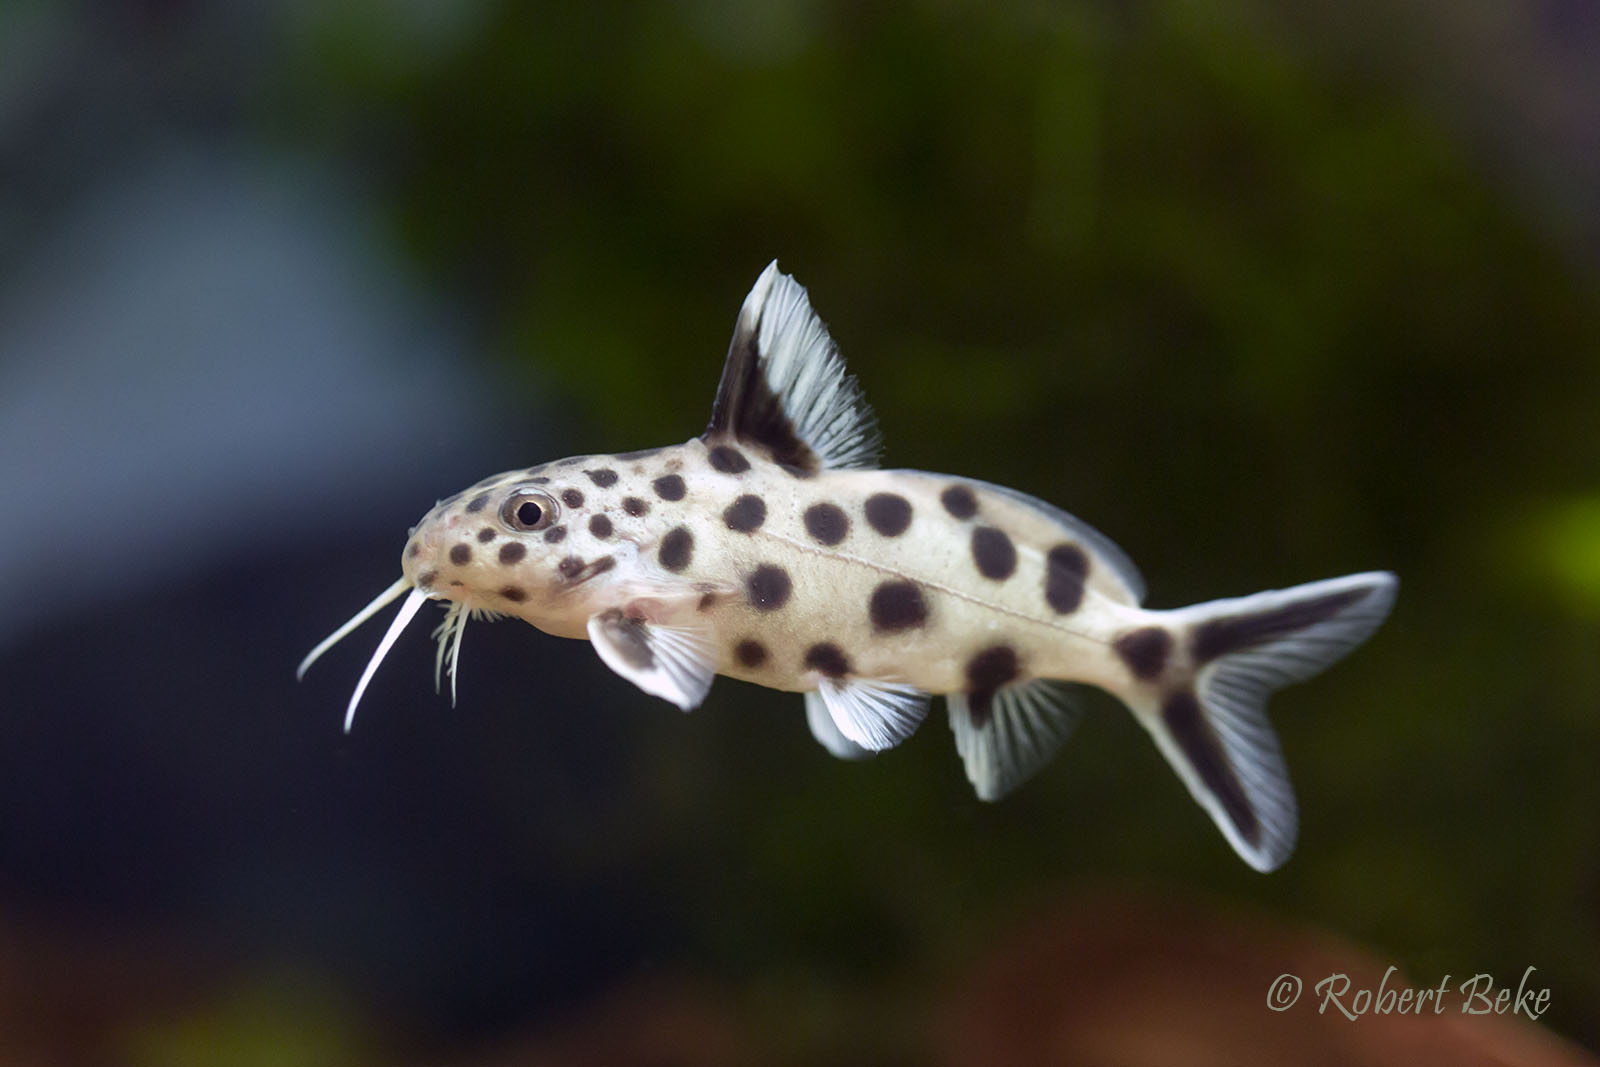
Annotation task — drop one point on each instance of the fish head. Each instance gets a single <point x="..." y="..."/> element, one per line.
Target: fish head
<point x="553" y="545"/>
<point x="542" y="545"/>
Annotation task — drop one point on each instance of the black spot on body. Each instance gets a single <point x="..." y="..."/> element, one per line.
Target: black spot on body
<point x="601" y="565"/>
<point x="729" y="460"/>
<point x="994" y="553"/>
<point x="635" y="507"/>
<point x="603" y="477"/>
<point x="486" y="534"/>
<point x="570" y="566"/>
<point x="600" y="526"/>
<point x="959" y="501"/>
<point x="888" y="513"/>
<point x="896" y="606"/>
<point x="768" y="587"/>
<point x="1145" y="651"/>
<point x="828" y="658"/>
<point x="797" y="472"/>
<point x="1195" y="736"/>
<point x="573" y="498"/>
<point x="478" y="503"/>
<point x="541" y="480"/>
<point x="570" y="460"/>
<point x="746" y="514"/>
<point x="414" y="549"/>
<point x="1218" y="637"/>
<point x="707" y="600"/>
<point x="669" y="487"/>
<point x="990" y="669"/>
<point x="513" y="593"/>
<point x="750" y="653"/>
<point x="677" y="549"/>
<point x="555" y="534"/>
<point x="461" y="555"/>
<point x="427" y="578"/>
<point x="512" y="552"/>
<point x="827" y="523"/>
<point x="1065" y="570"/>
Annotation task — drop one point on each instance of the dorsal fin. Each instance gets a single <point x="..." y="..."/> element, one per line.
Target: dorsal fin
<point x="785" y="387"/>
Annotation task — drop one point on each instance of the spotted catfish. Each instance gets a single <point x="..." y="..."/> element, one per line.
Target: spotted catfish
<point x="773" y="550"/>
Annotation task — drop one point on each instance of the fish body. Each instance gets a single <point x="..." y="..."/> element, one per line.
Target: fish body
<point x="773" y="550"/>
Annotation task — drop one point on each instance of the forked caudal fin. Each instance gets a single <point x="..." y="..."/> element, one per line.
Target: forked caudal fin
<point x="1208" y="714"/>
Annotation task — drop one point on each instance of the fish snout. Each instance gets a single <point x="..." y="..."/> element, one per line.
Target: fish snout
<point x="426" y="555"/>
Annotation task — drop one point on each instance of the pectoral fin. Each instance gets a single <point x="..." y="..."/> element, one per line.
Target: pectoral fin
<point x="671" y="662"/>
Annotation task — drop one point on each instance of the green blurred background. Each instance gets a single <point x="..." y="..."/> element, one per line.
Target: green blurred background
<point x="1266" y="292"/>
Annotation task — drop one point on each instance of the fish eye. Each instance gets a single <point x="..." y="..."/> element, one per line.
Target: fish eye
<point x="529" y="509"/>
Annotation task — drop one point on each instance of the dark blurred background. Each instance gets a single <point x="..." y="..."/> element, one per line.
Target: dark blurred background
<point x="1268" y="292"/>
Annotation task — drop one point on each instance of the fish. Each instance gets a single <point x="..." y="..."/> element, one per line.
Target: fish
<point x="773" y="549"/>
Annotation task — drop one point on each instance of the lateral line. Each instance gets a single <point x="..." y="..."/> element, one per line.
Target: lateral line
<point x="846" y="557"/>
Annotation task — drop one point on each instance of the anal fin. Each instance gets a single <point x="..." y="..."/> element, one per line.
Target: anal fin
<point x="671" y="662"/>
<point x="1018" y="731"/>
